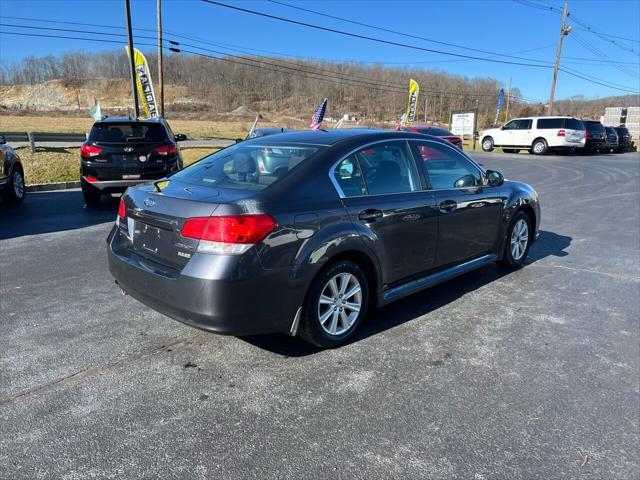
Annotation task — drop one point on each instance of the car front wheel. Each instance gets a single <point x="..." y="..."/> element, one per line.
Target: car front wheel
<point x="518" y="241"/>
<point x="487" y="144"/>
<point x="15" y="189"/>
<point x="335" y="305"/>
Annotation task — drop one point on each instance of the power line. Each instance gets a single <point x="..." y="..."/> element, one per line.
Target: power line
<point x="372" y="39"/>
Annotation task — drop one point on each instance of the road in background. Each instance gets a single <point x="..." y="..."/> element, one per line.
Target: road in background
<point x="497" y="374"/>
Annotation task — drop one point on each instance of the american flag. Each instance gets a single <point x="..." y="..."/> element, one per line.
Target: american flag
<point x="318" y="115"/>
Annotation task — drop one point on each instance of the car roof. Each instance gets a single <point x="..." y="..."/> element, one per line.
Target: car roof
<point x="332" y="137"/>
<point x="130" y="119"/>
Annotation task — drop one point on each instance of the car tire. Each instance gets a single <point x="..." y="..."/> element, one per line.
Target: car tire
<point x="539" y="146"/>
<point x="15" y="189"/>
<point x="335" y="305"/>
<point x="487" y="144"/>
<point x="91" y="196"/>
<point x="517" y="241"/>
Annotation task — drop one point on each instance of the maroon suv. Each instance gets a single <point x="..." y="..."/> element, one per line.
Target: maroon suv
<point x="436" y="132"/>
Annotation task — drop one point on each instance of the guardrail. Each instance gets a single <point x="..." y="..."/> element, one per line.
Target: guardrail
<point x="35" y="137"/>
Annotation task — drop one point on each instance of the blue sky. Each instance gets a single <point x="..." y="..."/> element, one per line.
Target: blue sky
<point x="504" y="26"/>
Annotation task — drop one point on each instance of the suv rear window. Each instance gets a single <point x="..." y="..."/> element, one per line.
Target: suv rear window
<point x="109" y="132"/>
<point x="573" y="124"/>
<point x="545" y="123"/>
<point x="247" y="166"/>
<point x="594" y="126"/>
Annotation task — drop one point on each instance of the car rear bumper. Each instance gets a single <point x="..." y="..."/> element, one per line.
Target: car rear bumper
<point x="230" y="295"/>
<point x="113" y="184"/>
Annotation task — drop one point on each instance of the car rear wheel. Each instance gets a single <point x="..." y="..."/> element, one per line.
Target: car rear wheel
<point x="487" y="144"/>
<point x="539" y="146"/>
<point x="91" y="196"/>
<point x="518" y="241"/>
<point x="15" y="189"/>
<point x="335" y="305"/>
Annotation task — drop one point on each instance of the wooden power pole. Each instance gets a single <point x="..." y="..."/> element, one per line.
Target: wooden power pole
<point x="506" y="109"/>
<point x="564" y="31"/>
<point x="134" y="87"/>
<point x="160" y="71"/>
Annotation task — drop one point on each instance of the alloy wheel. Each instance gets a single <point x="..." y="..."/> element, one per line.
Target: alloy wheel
<point x="538" y="147"/>
<point x="18" y="184"/>
<point x="339" y="304"/>
<point x="519" y="239"/>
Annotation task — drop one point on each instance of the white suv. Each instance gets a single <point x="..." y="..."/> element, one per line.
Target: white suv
<point x="536" y="134"/>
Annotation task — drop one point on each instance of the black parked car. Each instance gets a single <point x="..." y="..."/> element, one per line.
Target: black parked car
<point x="611" y="143"/>
<point x="121" y="152"/>
<point x="360" y="218"/>
<point x="12" y="186"/>
<point x="596" y="136"/>
<point x="624" y="140"/>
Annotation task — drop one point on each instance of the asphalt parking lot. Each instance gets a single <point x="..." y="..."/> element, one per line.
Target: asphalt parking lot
<point x="498" y="374"/>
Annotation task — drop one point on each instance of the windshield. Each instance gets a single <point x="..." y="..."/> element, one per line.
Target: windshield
<point x="127" y="132"/>
<point x="247" y="166"/>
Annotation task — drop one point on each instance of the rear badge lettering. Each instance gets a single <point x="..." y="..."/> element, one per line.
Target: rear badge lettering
<point x="184" y="254"/>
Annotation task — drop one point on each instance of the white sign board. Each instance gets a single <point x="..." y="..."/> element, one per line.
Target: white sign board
<point x="462" y="123"/>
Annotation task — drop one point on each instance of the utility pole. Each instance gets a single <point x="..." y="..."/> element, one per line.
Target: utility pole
<point x="134" y="89"/>
<point x="160" y="72"/>
<point x="425" y="108"/>
<point x="564" y="31"/>
<point x="506" y="109"/>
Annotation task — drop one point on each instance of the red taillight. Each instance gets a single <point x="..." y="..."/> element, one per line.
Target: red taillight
<point x="237" y="229"/>
<point x="91" y="179"/>
<point x="122" y="210"/>
<point x="586" y="134"/>
<point x="166" y="150"/>
<point x="561" y="133"/>
<point x="90" y="150"/>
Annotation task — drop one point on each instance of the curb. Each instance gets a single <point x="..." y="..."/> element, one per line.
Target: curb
<point x="46" y="187"/>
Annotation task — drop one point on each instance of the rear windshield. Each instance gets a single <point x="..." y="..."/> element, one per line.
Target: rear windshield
<point x="623" y="131"/>
<point x="573" y="124"/>
<point x="594" y="126"/>
<point x="438" y="132"/>
<point x="127" y="132"/>
<point x="247" y="166"/>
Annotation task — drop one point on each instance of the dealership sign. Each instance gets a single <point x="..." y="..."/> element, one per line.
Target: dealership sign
<point x="463" y="123"/>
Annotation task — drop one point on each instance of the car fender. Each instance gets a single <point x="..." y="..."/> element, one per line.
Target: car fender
<point x="336" y="239"/>
<point x="516" y="196"/>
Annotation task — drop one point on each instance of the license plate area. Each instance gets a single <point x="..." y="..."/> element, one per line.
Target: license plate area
<point x="150" y="239"/>
<point x="131" y="176"/>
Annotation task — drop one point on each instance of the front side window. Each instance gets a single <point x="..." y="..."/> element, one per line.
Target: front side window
<point x="447" y="169"/>
<point x="246" y="166"/>
<point x="388" y="168"/>
<point x="511" y="125"/>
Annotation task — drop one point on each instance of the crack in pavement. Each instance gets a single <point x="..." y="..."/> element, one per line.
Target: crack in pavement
<point x="608" y="274"/>
<point x="89" y="370"/>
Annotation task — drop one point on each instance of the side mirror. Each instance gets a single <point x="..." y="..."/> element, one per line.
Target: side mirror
<point x="180" y="137"/>
<point x="2" y="140"/>
<point x="494" y="179"/>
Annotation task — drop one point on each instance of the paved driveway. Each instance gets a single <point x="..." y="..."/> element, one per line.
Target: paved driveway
<point x="498" y="374"/>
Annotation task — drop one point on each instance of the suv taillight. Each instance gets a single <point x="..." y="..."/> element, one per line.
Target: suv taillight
<point x="586" y="134"/>
<point x="166" y="150"/>
<point x="232" y="234"/>
<point x="88" y="150"/>
<point x="122" y="210"/>
<point x="561" y="133"/>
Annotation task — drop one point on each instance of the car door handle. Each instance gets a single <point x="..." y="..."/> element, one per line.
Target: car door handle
<point x="448" y="206"/>
<point x="370" y="215"/>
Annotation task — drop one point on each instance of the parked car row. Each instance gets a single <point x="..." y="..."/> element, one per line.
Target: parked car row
<point x="540" y="135"/>
<point x="12" y="186"/>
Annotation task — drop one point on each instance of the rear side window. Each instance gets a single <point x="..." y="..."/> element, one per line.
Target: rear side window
<point x="127" y="132"/>
<point x="573" y="124"/>
<point x="550" y="123"/>
<point x="388" y="168"/>
<point x="447" y="169"/>
<point x="246" y="166"/>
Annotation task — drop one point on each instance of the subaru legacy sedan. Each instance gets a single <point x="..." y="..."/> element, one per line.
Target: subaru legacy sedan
<point x="358" y="219"/>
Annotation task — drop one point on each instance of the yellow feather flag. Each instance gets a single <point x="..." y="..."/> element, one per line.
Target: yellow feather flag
<point x="145" y="87"/>
<point x="412" y="104"/>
